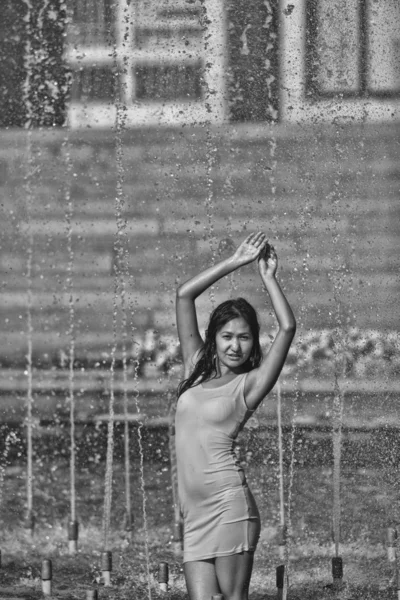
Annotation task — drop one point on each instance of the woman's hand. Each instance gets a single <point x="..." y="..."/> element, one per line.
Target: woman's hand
<point x="268" y="263"/>
<point x="250" y="248"/>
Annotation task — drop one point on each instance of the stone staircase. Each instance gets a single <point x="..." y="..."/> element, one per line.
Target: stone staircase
<point x="328" y="196"/>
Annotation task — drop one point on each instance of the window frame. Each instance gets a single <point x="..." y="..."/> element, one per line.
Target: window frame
<point x="312" y="90"/>
<point x="210" y="107"/>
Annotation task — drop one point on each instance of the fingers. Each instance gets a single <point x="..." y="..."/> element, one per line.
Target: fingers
<point x="256" y="238"/>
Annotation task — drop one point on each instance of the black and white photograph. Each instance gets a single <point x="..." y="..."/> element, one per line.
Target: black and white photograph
<point x="199" y="299"/>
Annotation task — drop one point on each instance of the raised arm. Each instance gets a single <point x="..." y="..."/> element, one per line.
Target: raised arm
<point x="186" y="294"/>
<point x="262" y="379"/>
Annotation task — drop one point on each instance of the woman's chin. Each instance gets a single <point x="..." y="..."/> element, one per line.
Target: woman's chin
<point x="234" y="363"/>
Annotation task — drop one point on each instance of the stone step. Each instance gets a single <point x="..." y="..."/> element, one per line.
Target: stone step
<point x="335" y="204"/>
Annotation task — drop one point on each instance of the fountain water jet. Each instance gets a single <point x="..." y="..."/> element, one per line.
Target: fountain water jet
<point x="29" y="108"/>
<point x="69" y="286"/>
<point x="227" y="195"/>
<point x="337" y="279"/>
<point x="282" y="519"/>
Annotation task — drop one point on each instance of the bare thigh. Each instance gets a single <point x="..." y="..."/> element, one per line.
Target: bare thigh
<point x="233" y="574"/>
<point x="201" y="579"/>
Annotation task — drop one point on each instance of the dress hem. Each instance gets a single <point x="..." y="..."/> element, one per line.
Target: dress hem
<point x="219" y="554"/>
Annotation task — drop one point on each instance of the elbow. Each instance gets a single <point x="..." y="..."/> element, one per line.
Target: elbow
<point x="181" y="292"/>
<point x="289" y="328"/>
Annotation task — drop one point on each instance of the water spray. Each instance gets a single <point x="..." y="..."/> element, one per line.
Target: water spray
<point x="177" y="538"/>
<point x="142" y="482"/>
<point x="29" y="63"/>
<point x="29" y="521"/>
<point x="140" y="444"/>
<point x="211" y="161"/>
<point x="211" y="151"/>
<point x="121" y="253"/>
<point x="117" y="272"/>
<point x="228" y="243"/>
<point x="282" y="539"/>
<point x="73" y="524"/>
<point x="338" y="395"/>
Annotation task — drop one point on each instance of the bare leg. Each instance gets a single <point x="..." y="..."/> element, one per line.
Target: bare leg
<point x="201" y="579"/>
<point x="234" y="573"/>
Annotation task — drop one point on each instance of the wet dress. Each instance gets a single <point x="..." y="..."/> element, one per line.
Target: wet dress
<point x="219" y="512"/>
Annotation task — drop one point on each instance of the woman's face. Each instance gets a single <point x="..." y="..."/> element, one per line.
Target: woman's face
<point x="234" y="342"/>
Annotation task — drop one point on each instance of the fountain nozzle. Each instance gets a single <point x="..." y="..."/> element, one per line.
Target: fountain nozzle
<point x="163" y="576"/>
<point x="73" y="534"/>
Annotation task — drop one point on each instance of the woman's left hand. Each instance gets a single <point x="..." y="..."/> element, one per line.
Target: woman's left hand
<point x="268" y="264"/>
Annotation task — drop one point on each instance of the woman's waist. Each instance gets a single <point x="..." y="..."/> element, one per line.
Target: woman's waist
<point x="212" y="479"/>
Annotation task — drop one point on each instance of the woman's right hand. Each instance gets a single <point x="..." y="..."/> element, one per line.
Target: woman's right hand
<point x="250" y="248"/>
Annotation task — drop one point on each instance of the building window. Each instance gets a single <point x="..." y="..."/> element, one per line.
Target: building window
<point x="91" y="22"/>
<point x="353" y="48"/>
<point x="93" y="84"/>
<point x="172" y="82"/>
<point x="383" y="48"/>
<point x="163" y="59"/>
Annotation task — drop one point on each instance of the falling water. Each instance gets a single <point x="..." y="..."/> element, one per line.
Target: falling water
<point x="118" y="295"/>
<point x="129" y="515"/>
<point x="142" y="480"/>
<point x="111" y="405"/>
<point x="69" y="288"/>
<point x="209" y="202"/>
<point x="11" y="438"/>
<point x="282" y="519"/>
<point x="305" y="215"/>
<point x="29" y="331"/>
<point x="211" y="152"/>
<point x="110" y="428"/>
<point x="27" y="85"/>
<point x="122" y="264"/>
<point x="337" y="277"/>
<point x="71" y="328"/>
<point x="121" y="271"/>
<point x="228" y="196"/>
<point x="337" y="418"/>
<point x="270" y="168"/>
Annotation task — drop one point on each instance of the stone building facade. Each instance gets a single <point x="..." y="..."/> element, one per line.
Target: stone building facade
<point x="191" y="61"/>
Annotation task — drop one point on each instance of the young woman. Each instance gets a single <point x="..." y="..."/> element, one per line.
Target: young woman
<point x="226" y="379"/>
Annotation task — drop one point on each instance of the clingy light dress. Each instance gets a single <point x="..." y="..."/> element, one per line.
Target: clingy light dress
<point x="219" y="512"/>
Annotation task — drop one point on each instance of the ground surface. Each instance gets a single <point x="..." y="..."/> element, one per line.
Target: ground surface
<point x="369" y="495"/>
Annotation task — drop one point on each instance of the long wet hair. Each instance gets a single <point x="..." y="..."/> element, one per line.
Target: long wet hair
<point x="206" y="366"/>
